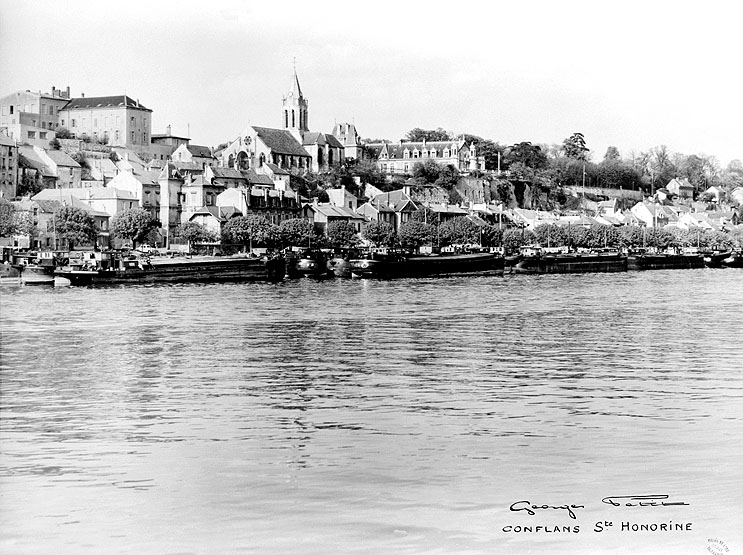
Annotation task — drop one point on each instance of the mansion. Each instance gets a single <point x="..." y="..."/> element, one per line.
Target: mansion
<point x="400" y="157"/>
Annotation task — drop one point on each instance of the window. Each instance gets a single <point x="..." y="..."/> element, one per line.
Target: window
<point x="11" y="110"/>
<point x="416" y="153"/>
<point x="74" y="123"/>
<point x="43" y="125"/>
<point x="132" y="136"/>
<point x="62" y="123"/>
<point x="42" y="134"/>
<point x="85" y="122"/>
<point x="406" y="153"/>
<point x="117" y="135"/>
<point x="33" y="122"/>
<point x="32" y="134"/>
<point x="51" y="110"/>
<point x="446" y="153"/>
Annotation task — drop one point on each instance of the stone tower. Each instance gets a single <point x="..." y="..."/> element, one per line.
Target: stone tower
<point x="295" y="110"/>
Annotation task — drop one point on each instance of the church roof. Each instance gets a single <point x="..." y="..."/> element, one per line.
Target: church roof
<point x="295" y="90"/>
<point x="332" y="141"/>
<point x="275" y="169"/>
<point x="280" y="141"/>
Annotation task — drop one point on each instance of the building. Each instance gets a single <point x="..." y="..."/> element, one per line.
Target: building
<point x="8" y="167"/>
<point x="68" y="172"/>
<point x="399" y="202"/>
<point x="115" y="120"/>
<point x="291" y="148"/>
<point x="322" y="214"/>
<point x="400" y="157"/>
<point x="32" y="116"/>
<point x="109" y="200"/>
<point x="274" y="205"/>
<point x="201" y="155"/>
<point x="348" y="136"/>
<point x="681" y="187"/>
<point x="163" y="145"/>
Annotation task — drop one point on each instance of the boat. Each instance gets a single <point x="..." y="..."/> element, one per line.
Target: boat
<point x="340" y="265"/>
<point x="539" y="260"/>
<point x="735" y="260"/>
<point x="716" y="259"/>
<point x="35" y="274"/>
<point x="664" y="261"/>
<point x="34" y="268"/>
<point x="311" y="263"/>
<point x="401" y="265"/>
<point x="133" y="270"/>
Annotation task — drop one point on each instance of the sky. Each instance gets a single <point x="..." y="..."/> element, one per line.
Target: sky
<point x="633" y="74"/>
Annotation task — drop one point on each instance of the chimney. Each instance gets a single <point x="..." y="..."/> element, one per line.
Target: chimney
<point x="68" y="92"/>
<point x="54" y="90"/>
<point x="168" y="130"/>
<point x="82" y="95"/>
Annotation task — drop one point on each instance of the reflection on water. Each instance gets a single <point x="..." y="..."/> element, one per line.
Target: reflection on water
<point x="364" y="416"/>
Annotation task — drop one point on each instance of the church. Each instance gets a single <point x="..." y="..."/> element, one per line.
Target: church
<point x="293" y="147"/>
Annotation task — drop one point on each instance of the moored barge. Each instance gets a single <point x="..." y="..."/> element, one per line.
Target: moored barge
<point x="535" y="260"/>
<point x="399" y="265"/>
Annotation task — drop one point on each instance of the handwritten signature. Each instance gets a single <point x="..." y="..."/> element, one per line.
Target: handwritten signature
<point x="640" y="501"/>
<point x="614" y="500"/>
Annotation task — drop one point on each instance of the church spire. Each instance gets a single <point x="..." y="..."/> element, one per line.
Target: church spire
<point x="295" y="108"/>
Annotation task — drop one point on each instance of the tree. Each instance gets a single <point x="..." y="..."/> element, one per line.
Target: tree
<point x="133" y="224"/>
<point x="459" y="231"/>
<point x="74" y="225"/>
<point x="612" y="153"/>
<point x="63" y="133"/>
<point x="342" y="234"/>
<point x="379" y="233"/>
<point x="417" y="135"/>
<point x="7" y="218"/>
<point x="427" y="172"/>
<point x="426" y="215"/>
<point x="414" y="234"/>
<point x="248" y="230"/>
<point x="296" y="232"/>
<point x="515" y="238"/>
<point x="527" y="154"/>
<point x="575" y="147"/>
<point x="194" y="232"/>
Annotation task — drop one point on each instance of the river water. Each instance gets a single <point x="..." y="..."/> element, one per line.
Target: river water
<point x="374" y="416"/>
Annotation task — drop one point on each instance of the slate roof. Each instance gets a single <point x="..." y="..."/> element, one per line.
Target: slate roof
<point x="103" y="102"/>
<point x="227" y="173"/>
<point x="186" y="166"/>
<point x="448" y="209"/>
<point x="332" y="211"/>
<point x="333" y="141"/>
<point x="397" y="150"/>
<point x="61" y="158"/>
<point x="280" y="141"/>
<point x="314" y="138"/>
<point x="28" y="158"/>
<point x="5" y="140"/>
<point x="200" y="151"/>
<point x="255" y="178"/>
<point x="275" y="169"/>
<point x="397" y="200"/>
<point x="88" y="193"/>
<point x="65" y="197"/>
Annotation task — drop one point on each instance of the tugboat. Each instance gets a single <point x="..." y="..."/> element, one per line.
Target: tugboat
<point x="36" y="269"/>
<point x="735" y="260"/>
<point x="312" y="263"/>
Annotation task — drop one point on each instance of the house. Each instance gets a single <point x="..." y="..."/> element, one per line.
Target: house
<point x="213" y="217"/>
<point x="281" y="178"/>
<point x="69" y="173"/>
<point x="378" y="213"/>
<point x="654" y="214"/>
<point x="40" y="214"/>
<point x="681" y="187"/>
<point x="399" y="158"/>
<point x="8" y="167"/>
<point x="198" y="193"/>
<point x="109" y="200"/>
<point x="143" y="187"/>
<point x="399" y="201"/>
<point x="33" y="117"/>
<point x="322" y="214"/>
<point x="342" y="197"/>
<point x="116" y="120"/>
<point x="200" y="155"/>
<point x="274" y="205"/>
<point x="532" y="218"/>
<point x="164" y="144"/>
<point x="43" y="210"/>
<point x="446" y="211"/>
<point x="35" y="171"/>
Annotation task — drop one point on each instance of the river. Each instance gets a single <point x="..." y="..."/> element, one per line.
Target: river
<point x="359" y="416"/>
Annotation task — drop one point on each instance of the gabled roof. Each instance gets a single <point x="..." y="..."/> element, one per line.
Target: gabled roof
<point x="333" y="141"/>
<point x="397" y="200"/>
<point x="448" y="209"/>
<point x="98" y="193"/>
<point x="61" y="158"/>
<point x="275" y="169"/>
<point x="227" y="173"/>
<point x="280" y="141"/>
<point x="29" y="158"/>
<point x="313" y="138"/>
<point x="221" y="213"/>
<point x="397" y="150"/>
<point x="331" y="211"/>
<point x="200" y="151"/>
<point x="117" y="101"/>
<point x="186" y="166"/>
<point x="255" y="178"/>
<point x="65" y="197"/>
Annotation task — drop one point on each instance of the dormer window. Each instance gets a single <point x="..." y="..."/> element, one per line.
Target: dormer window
<point x="406" y="153"/>
<point x="446" y="153"/>
<point x="433" y="153"/>
<point x="416" y="154"/>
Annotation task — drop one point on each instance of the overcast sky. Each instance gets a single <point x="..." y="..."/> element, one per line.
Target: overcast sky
<point x="630" y="74"/>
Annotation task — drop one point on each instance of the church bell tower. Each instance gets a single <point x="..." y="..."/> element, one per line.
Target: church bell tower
<point x="295" y="109"/>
